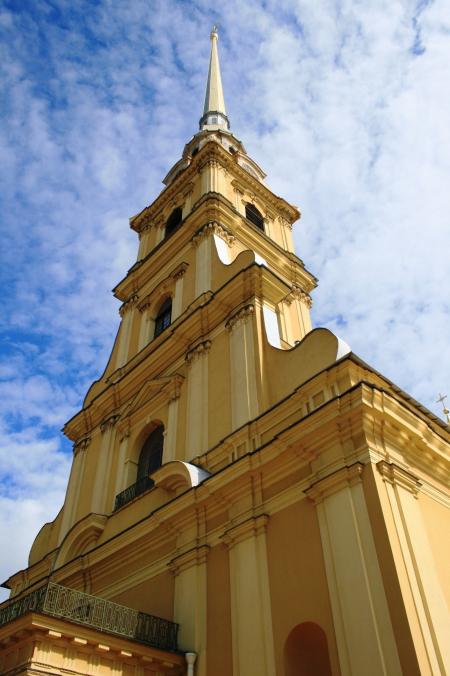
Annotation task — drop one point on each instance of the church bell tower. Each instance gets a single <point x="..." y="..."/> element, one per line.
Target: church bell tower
<point x="243" y="497"/>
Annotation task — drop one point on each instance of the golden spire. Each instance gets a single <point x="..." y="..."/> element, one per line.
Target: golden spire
<point x="214" y="112"/>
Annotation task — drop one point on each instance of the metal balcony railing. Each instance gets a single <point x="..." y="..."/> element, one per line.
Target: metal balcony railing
<point x="133" y="491"/>
<point x="92" y="611"/>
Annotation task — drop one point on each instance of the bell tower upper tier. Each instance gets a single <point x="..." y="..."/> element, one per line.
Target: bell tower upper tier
<point x="215" y="319"/>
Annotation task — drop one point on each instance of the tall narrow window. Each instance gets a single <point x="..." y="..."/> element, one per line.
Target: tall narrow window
<point x="254" y="216"/>
<point x="174" y="221"/>
<point x="151" y="454"/>
<point x="164" y="317"/>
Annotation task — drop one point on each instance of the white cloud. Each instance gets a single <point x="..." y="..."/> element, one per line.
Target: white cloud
<point x="330" y="99"/>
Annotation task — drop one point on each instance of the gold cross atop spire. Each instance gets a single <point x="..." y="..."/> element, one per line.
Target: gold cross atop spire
<point x="445" y="410"/>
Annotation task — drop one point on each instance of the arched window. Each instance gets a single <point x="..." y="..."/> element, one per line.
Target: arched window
<point x="254" y="216"/>
<point x="174" y="221"/>
<point x="150" y="457"/>
<point x="164" y="317"/>
<point x="306" y="651"/>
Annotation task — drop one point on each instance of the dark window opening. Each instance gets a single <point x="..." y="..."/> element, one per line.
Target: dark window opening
<point x="174" y="221"/>
<point x="151" y="454"/>
<point x="164" y="317"/>
<point x="194" y="152"/>
<point x="254" y="216"/>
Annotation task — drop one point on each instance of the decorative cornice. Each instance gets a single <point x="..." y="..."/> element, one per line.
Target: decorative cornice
<point x="199" y="350"/>
<point x="240" y="317"/>
<point x="124" y="428"/>
<point x="297" y="293"/>
<point x="166" y="286"/>
<point x="212" y="150"/>
<point x="252" y="527"/>
<point x="210" y="163"/>
<point x="146" y="224"/>
<point x="179" y="271"/>
<point x="284" y="222"/>
<point x="128" y="304"/>
<point x="213" y="228"/>
<point x="397" y="476"/>
<point x="175" y="387"/>
<point x="193" y="557"/>
<point x="81" y="445"/>
<point x="333" y="483"/>
<point x="108" y="423"/>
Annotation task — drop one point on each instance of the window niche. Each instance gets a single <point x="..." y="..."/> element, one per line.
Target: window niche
<point x="306" y="651"/>
<point x="163" y="317"/>
<point x="253" y="215"/>
<point x="150" y="459"/>
<point x="173" y="222"/>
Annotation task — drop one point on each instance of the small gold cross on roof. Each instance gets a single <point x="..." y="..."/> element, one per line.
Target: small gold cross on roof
<point x="445" y="411"/>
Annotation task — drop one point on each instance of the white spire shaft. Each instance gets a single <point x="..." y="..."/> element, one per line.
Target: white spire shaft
<point x="214" y="112"/>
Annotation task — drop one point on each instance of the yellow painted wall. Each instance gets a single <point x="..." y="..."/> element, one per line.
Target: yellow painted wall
<point x="298" y="583"/>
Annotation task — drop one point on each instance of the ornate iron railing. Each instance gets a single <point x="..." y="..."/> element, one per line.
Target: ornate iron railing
<point x="133" y="491"/>
<point x="70" y="604"/>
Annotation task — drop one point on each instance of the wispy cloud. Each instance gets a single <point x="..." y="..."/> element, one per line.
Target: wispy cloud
<point x="345" y="105"/>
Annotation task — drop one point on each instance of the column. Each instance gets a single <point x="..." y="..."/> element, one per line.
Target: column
<point x="428" y="613"/>
<point x="73" y="488"/>
<point x="197" y="399"/>
<point x="190" y="603"/>
<point x="364" y="633"/>
<point x="251" y="612"/>
<point x="244" y="391"/>
<point x="102" y="476"/>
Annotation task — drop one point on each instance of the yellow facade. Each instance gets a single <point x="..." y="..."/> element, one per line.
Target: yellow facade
<point x="298" y="521"/>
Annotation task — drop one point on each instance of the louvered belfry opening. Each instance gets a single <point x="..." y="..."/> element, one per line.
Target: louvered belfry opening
<point x="173" y="222"/>
<point x="254" y="216"/>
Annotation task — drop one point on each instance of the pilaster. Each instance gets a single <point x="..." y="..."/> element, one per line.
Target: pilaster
<point x="170" y="440"/>
<point x="197" y="399"/>
<point x="210" y="176"/>
<point x="190" y="602"/>
<point x="177" y="300"/>
<point x="74" y="486"/>
<point x="244" y="393"/>
<point x="364" y="633"/>
<point x="425" y="605"/>
<point x="126" y="312"/>
<point x="120" y="469"/>
<point x="251" y="611"/>
<point x="103" y="470"/>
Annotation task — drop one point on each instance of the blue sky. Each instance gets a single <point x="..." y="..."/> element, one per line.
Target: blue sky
<point x="346" y="106"/>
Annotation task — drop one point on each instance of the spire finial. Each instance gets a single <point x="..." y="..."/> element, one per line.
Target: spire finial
<point x="441" y="399"/>
<point x="214" y="113"/>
